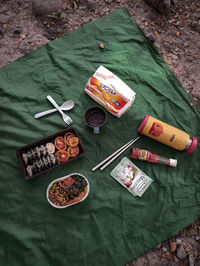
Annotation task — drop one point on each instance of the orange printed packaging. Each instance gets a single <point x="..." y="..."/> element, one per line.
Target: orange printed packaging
<point x="109" y="91"/>
<point x="166" y="134"/>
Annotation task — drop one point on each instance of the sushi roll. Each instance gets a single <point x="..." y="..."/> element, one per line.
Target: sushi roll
<point x="43" y="151"/>
<point x="35" y="169"/>
<point x="42" y="164"/>
<point x="31" y="170"/>
<point x="36" y="154"/>
<point x="25" y="158"/>
<point x="37" y="150"/>
<point x="47" y="162"/>
<point x="29" y="158"/>
<point x="54" y="159"/>
<point x="33" y="155"/>
<point x="50" y="147"/>
<point x="38" y="166"/>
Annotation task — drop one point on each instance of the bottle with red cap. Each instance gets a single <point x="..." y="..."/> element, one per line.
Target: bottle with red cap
<point x="166" y="134"/>
<point x="151" y="157"/>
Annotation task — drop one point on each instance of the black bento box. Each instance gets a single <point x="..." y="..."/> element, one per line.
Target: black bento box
<point x="36" y="159"/>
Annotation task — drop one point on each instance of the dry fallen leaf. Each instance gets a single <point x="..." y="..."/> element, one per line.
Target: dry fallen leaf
<point x="75" y="5"/>
<point x="173" y="246"/>
<point x="16" y="41"/>
<point x="196" y="100"/>
<point x="64" y="5"/>
<point x="22" y="36"/>
<point x="163" y="260"/>
<point x="5" y="26"/>
<point x="187" y="16"/>
<point x="33" y="44"/>
<point x="191" y="104"/>
<point x="101" y="45"/>
<point x="177" y="34"/>
<point x="192" y="6"/>
<point x="189" y="249"/>
<point x="168" y="255"/>
<point x="163" y="51"/>
<point x="176" y="16"/>
<point x="117" y="1"/>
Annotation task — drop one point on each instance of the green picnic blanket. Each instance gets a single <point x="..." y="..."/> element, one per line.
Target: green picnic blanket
<point x="111" y="227"/>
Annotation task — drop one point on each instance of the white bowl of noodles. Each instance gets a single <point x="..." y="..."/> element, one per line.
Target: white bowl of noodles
<point x="67" y="190"/>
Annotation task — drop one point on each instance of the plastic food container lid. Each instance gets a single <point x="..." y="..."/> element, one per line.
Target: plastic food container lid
<point x="192" y="146"/>
<point x="62" y="207"/>
<point x="143" y="123"/>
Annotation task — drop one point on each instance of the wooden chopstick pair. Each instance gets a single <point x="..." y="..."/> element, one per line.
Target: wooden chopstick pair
<point x="110" y="158"/>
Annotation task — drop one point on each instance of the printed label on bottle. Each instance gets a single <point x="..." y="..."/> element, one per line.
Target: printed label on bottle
<point x="139" y="154"/>
<point x="156" y="129"/>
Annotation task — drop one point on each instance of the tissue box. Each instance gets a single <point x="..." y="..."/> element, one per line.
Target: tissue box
<point x="110" y="91"/>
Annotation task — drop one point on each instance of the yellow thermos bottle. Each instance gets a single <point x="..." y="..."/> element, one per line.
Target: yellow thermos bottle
<point x="166" y="134"/>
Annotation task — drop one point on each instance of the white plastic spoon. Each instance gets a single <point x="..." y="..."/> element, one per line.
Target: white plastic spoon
<point x="68" y="105"/>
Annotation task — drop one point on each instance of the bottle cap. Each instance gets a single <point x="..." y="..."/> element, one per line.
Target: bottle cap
<point x="192" y="146"/>
<point x="143" y="123"/>
<point x="172" y="162"/>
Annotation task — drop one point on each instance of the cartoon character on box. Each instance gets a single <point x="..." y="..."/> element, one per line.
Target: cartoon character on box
<point x="156" y="129"/>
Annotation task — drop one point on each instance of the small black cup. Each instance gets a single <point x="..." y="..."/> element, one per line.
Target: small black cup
<point x="95" y="117"/>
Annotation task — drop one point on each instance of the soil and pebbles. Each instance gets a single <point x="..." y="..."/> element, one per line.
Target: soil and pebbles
<point x="173" y="28"/>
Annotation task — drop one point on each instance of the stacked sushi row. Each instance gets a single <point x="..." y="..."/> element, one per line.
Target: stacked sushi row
<point x="40" y="158"/>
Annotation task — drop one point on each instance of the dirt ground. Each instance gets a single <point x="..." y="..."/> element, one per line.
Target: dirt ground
<point x="174" y="30"/>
